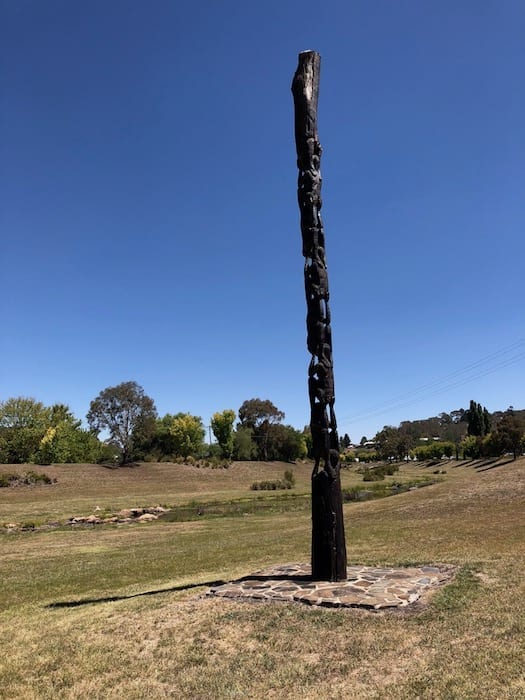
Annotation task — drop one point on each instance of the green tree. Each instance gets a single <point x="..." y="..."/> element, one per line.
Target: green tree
<point x="344" y="442"/>
<point x="458" y="415"/>
<point x="244" y="448"/>
<point x="434" y="450"/>
<point x="386" y="441"/>
<point x="486" y="421"/>
<point x="286" y="443"/>
<point x="448" y="448"/>
<point x="23" y="423"/>
<point x="23" y="412"/>
<point x="160" y="443"/>
<point x="126" y="413"/>
<point x="478" y="420"/>
<point x="405" y="440"/>
<point x="187" y="432"/>
<point x="18" y="445"/>
<point x="307" y="437"/>
<point x="472" y="446"/>
<point x="68" y="442"/>
<point x="32" y="432"/>
<point x="222" y="426"/>
<point x="393" y="443"/>
<point x="260" y="415"/>
<point x="65" y="440"/>
<point x="508" y="434"/>
<point x="61" y="413"/>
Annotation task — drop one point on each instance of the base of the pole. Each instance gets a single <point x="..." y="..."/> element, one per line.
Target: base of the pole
<point x="328" y="535"/>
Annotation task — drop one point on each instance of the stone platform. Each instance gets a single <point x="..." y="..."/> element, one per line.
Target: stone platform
<point x="368" y="587"/>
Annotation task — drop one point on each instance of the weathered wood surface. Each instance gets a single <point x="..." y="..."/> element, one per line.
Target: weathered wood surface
<point x="328" y="536"/>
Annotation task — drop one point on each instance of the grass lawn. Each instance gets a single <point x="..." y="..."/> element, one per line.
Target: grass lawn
<point x="117" y="611"/>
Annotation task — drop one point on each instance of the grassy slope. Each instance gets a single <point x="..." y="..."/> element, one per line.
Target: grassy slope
<point x="159" y="639"/>
<point x="80" y="488"/>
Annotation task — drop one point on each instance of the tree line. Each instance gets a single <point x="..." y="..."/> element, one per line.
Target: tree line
<point x="472" y="433"/>
<point x="124" y="426"/>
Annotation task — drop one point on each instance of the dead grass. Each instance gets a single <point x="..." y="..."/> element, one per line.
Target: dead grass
<point x="144" y="635"/>
<point x="81" y="488"/>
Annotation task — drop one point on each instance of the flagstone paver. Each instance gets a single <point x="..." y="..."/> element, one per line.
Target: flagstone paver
<point x="366" y="586"/>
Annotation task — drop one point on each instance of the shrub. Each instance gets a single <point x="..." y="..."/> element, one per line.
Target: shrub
<point x="289" y="478"/>
<point x="32" y="477"/>
<point x="367" y="456"/>
<point x="7" y="479"/>
<point x="373" y="474"/>
<point x="218" y="463"/>
<point x="267" y="485"/>
<point x="287" y="482"/>
<point x="27" y="479"/>
<point x="389" y="469"/>
<point x="378" y="473"/>
<point x="435" y="450"/>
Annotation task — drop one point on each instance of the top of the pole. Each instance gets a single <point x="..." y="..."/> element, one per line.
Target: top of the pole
<point x="305" y="89"/>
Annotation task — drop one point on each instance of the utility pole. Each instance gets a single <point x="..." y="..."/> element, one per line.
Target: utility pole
<point x="328" y="535"/>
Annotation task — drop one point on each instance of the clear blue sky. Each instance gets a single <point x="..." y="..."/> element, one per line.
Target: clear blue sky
<point x="149" y="223"/>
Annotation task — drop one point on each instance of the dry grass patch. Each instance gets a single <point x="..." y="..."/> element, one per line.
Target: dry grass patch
<point x="80" y="488"/>
<point x="142" y="635"/>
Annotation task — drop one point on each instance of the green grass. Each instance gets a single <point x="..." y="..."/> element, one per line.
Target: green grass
<point x="115" y="611"/>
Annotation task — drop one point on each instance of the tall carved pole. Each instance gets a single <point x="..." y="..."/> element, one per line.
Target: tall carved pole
<point x="328" y="535"/>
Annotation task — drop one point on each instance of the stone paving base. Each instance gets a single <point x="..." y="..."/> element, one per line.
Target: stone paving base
<point x="369" y="587"/>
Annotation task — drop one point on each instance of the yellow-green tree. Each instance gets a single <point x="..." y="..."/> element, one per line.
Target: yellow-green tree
<point x="222" y="426"/>
<point x="187" y="434"/>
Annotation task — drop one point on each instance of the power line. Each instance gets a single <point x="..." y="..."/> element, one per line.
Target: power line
<point x="443" y="384"/>
<point x="441" y="390"/>
<point x="436" y="382"/>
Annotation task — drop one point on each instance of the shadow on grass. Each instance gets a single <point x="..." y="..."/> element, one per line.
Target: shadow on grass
<point x="483" y="464"/>
<point x="494" y="465"/>
<point x="173" y="589"/>
<point x="115" y="598"/>
<point x="113" y="465"/>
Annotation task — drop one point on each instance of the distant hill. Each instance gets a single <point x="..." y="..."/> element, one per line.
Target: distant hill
<point x="451" y="426"/>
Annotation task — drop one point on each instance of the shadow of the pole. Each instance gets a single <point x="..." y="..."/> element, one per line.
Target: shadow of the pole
<point x="115" y="598"/>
